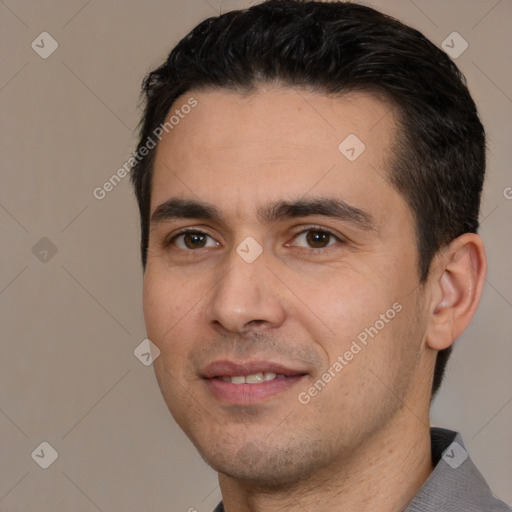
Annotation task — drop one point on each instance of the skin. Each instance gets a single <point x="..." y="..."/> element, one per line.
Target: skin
<point x="298" y="303"/>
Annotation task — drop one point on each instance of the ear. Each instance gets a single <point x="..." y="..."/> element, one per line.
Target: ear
<point x="456" y="282"/>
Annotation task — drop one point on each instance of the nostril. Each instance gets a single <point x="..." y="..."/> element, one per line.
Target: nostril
<point x="256" y="322"/>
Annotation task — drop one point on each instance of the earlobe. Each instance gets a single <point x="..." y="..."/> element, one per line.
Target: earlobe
<point x="457" y="281"/>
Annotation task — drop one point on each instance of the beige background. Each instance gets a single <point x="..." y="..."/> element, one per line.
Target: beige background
<point x="68" y="375"/>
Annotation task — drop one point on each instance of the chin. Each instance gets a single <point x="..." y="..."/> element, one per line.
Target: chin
<point x="272" y="468"/>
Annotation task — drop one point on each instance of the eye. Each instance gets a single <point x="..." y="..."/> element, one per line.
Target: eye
<point x="192" y="240"/>
<point x="315" y="238"/>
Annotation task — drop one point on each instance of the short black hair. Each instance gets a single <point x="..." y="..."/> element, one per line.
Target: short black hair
<point x="333" y="48"/>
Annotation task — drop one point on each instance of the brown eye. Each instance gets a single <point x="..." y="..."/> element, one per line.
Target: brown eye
<point x="318" y="239"/>
<point x="193" y="240"/>
<point x="315" y="239"/>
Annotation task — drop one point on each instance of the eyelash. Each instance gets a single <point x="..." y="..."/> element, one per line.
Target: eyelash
<point x="169" y="241"/>
<point x="318" y="229"/>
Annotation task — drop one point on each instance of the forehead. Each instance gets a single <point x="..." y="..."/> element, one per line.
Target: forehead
<point x="241" y="150"/>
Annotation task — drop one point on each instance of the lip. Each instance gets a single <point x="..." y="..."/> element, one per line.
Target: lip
<point x="230" y="368"/>
<point x="247" y="394"/>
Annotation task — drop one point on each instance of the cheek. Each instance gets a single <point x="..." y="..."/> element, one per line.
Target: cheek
<point x="156" y="305"/>
<point x="169" y="306"/>
<point x="365" y="318"/>
<point x="349" y="305"/>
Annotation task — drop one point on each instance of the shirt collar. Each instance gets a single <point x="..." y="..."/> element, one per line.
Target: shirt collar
<point x="455" y="485"/>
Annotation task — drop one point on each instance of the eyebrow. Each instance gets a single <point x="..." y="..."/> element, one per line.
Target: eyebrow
<point x="175" y="208"/>
<point x="325" y="207"/>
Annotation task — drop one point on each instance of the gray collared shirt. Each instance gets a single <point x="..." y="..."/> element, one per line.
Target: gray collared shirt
<point x="455" y="485"/>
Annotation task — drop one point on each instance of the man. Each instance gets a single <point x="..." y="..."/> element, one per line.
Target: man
<point x="309" y="218"/>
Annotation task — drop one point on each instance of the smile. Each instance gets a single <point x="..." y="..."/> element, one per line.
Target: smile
<point x="254" y="378"/>
<point x="248" y="382"/>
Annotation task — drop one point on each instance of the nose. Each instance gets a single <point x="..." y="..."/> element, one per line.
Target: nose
<point x="247" y="298"/>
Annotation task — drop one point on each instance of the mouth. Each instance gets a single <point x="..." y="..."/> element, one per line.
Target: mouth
<point x="251" y="382"/>
<point x="253" y="378"/>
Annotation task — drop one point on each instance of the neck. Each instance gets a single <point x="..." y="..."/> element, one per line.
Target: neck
<point x="385" y="474"/>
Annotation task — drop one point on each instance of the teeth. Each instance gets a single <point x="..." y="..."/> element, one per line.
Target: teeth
<point x="254" y="378"/>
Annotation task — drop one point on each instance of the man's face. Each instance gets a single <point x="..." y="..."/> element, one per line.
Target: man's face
<point x="266" y="173"/>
